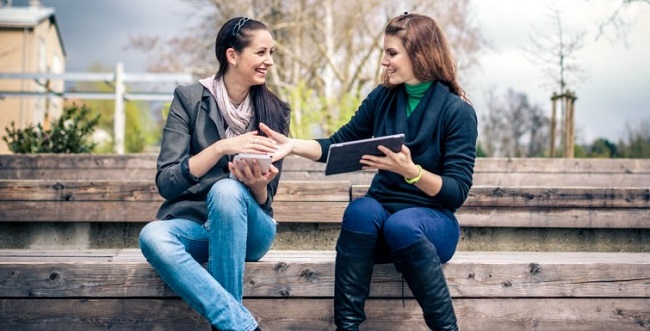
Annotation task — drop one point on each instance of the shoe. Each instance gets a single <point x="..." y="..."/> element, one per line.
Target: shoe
<point x="420" y="266"/>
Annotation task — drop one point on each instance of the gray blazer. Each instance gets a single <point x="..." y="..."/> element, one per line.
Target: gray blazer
<point x="194" y="123"/>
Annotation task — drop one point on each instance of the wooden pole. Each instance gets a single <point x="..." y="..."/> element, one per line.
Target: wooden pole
<point x="553" y="121"/>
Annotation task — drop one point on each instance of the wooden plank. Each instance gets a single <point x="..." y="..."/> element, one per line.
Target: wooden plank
<point x="492" y="164"/>
<point x="488" y="171"/>
<point x="99" y="314"/>
<point x="479" y="196"/>
<point x="325" y="202"/>
<point x="528" y="165"/>
<point x="136" y="211"/>
<point x="317" y="314"/>
<point x="138" y="201"/>
<point x="502" y="178"/>
<point x="78" y="161"/>
<point x="589" y="218"/>
<point x="562" y="165"/>
<point x="473" y="314"/>
<point x="53" y="190"/>
<point x="560" y="179"/>
<point x="332" y="212"/>
<point x="551" y="197"/>
<point x="78" y="166"/>
<point x="283" y="275"/>
<point x="75" y="190"/>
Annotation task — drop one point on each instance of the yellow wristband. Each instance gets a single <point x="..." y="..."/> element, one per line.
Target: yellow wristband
<point x="417" y="178"/>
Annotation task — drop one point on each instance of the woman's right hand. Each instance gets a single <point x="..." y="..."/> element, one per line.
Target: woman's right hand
<point x="249" y="142"/>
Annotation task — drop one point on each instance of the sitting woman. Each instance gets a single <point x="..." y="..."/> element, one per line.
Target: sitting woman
<point x="407" y="216"/>
<point x="206" y="215"/>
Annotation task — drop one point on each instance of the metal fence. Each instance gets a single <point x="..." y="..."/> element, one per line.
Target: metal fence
<point x="118" y="79"/>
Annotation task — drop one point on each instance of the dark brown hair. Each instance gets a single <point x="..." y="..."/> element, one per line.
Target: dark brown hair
<point x="427" y="48"/>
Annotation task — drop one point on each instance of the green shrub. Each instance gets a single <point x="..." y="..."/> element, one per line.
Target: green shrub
<point x="69" y="134"/>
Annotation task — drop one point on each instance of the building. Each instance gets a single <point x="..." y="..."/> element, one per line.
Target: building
<point x="31" y="43"/>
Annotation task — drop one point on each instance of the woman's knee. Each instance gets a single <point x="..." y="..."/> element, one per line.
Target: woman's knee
<point x="401" y="230"/>
<point x="151" y="236"/>
<point x="365" y="215"/>
<point x="225" y="190"/>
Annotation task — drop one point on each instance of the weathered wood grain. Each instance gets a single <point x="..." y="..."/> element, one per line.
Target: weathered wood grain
<point x="118" y="190"/>
<point x="325" y="201"/>
<point x="549" y="197"/>
<point x="553" y="314"/>
<point x="487" y="171"/>
<point x="301" y="274"/>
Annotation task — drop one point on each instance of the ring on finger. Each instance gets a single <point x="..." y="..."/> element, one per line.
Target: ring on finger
<point x="255" y="141"/>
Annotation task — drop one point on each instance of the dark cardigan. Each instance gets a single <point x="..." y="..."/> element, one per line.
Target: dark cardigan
<point x="441" y="134"/>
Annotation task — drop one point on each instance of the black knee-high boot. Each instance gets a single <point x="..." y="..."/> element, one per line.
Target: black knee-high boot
<point x="354" y="262"/>
<point x="420" y="265"/>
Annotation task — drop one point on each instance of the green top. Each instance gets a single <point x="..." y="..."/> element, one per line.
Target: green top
<point x="415" y="94"/>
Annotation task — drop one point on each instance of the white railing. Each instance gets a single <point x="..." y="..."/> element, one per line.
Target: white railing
<point x="117" y="78"/>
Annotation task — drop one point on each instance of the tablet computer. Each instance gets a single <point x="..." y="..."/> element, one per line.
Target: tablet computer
<point x="345" y="157"/>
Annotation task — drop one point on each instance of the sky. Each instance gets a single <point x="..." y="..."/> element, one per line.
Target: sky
<point x="614" y="93"/>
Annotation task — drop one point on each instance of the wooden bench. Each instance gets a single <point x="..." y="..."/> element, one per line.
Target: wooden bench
<point x="292" y="290"/>
<point x="488" y="171"/>
<point x="99" y="289"/>
<point x="325" y="201"/>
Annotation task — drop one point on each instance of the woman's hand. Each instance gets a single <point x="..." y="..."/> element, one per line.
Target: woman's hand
<point x="397" y="162"/>
<point x="283" y="145"/>
<point x="249" y="174"/>
<point x="249" y="142"/>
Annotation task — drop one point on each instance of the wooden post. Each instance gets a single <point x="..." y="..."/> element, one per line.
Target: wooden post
<point x="569" y="99"/>
<point x="553" y="121"/>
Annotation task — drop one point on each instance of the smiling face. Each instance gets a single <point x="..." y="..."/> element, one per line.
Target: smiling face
<point x="396" y="62"/>
<point x="254" y="60"/>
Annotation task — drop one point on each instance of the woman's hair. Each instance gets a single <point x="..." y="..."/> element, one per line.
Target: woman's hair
<point x="236" y="33"/>
<point x="427" y="48"/>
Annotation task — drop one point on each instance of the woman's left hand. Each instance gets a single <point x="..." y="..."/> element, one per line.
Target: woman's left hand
<point x="249" y="174"/>
<point x="397" y="162"/>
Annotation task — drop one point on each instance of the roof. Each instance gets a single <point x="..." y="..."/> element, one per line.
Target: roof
<point x="28" y="17"/>
<point x="21" y="17"/>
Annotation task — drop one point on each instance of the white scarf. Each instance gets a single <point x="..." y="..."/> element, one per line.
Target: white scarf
<point x="237" y="117"/>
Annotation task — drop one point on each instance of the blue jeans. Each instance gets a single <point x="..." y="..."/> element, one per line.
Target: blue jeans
<point x="395" y="231"/>
<point x="237" y="230"/>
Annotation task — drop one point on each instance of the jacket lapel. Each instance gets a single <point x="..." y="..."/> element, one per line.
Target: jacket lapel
<point x="209" y="105"/>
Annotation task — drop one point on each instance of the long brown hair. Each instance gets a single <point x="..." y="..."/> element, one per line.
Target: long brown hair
<point x="428" y="50"/>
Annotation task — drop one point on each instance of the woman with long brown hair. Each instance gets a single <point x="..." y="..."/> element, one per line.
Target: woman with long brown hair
<point x="407" y="216"/>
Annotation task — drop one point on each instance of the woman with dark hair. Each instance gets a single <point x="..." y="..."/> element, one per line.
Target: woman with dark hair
<point x="216" y="211"/>
<point x="407" y="216"/>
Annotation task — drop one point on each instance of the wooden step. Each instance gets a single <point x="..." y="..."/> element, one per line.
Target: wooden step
<point x="488" y="171"/>
<point x="292" y="290"/>
<point x="325" y="201"/>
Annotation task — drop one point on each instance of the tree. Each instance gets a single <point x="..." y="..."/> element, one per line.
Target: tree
<point x="327" y="52"/>
<point x="602" y="148"/>
<point x="556" y="53"/>
<point x="616" y="22"/>
<point x="512" y="126"/>
<point x="637" y="142"/>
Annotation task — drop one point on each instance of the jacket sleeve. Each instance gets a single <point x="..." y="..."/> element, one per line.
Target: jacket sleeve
<point x="171" y="180"/>
<point x="461" y="133"/>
